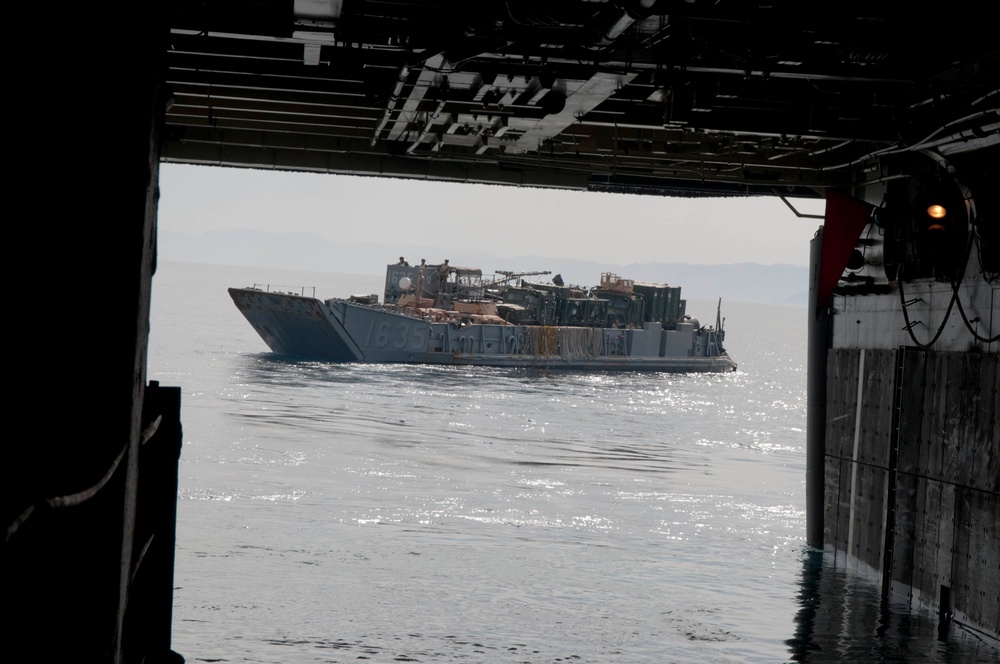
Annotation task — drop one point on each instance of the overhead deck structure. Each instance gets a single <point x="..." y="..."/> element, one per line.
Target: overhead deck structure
<point x="665" y="97"/>
<point x="689" y="98"/>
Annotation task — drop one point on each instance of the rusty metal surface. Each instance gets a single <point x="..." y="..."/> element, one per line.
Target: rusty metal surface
<point x="941" y="528"/>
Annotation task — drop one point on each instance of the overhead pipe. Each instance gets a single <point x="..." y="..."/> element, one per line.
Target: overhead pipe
<point x="437" y="62"/>
<point x="404" y="73"/>
<point x="632" y="13"/>
<point x="427" y="127"/>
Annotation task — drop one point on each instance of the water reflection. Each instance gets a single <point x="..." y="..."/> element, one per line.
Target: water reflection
<point x="333" y="512"/>
<point x="843" y="618"/>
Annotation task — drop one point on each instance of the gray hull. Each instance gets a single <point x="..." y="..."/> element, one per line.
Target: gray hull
<point x="340" y="331"/>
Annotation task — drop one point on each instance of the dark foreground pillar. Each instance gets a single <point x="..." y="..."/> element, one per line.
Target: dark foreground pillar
<point x="819" y="342"/>
<point x="82" y="235"/>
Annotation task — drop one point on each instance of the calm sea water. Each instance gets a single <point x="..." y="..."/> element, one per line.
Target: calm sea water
<point x="336" y="513"/>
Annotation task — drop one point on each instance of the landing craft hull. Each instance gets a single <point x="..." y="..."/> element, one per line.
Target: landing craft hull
<point x="340" y="331"/>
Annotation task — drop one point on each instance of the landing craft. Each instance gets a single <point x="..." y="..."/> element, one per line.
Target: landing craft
<point x="449" y="315"/>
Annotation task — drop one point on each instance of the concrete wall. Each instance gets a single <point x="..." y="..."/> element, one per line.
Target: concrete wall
<point x="912" y="475"/>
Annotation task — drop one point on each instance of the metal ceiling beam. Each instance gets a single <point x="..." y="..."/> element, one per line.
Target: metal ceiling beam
<point x="729" y="92"/>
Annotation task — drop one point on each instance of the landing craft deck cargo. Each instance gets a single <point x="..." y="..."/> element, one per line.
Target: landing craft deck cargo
<point x="441" y="314"/>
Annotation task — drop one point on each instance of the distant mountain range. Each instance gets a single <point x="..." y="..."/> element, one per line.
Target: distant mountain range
<point x="745" y="282"/>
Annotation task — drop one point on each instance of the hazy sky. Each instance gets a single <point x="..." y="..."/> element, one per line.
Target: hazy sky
<point x="506" y="221"/>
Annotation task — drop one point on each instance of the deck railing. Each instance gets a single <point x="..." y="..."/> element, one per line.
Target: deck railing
<point x="274" y="288"/>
